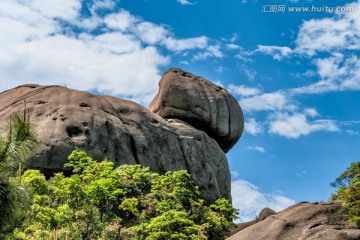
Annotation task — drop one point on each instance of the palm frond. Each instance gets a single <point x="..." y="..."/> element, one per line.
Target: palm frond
<point x="16" y="147"/>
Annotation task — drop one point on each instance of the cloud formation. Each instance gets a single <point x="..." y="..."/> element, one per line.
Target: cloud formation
<point x="276" y="52"/>
<point x="266" y="102"/>
<point x="339" y="37"/>
<point x="185" y="2"/>
<point x="333" y="44"/>
<point x="52" y="42"/>
<point x="250" y="200"/>
<point x="257" y="149"/>
<point x="253" y="127"/>
<point x="297" y="124"/>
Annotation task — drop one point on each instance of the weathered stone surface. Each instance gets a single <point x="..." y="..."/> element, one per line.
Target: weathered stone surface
<point x="303" y="221"/>
<point x="201" y="103"/>
<point x="121" y="131"/>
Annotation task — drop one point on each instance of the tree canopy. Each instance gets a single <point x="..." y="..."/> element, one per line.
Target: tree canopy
<point x="99" y="201"/>
<point x="348" y="190"/>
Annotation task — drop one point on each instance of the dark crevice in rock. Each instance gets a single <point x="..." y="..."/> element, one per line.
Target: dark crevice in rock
<point x="84" y="105"/>
<point x="40" y="102"/>
<point x="73" y="131"/>
<point x="315" y="225"/>
<point x="133" y="149"/>
<point x="229" y="116"/>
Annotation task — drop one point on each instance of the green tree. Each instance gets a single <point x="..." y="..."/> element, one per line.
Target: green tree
<point x="348" y="177"/>
<point x="348" y="184"/>
<point x="169" y="225"/>
<point x="16" y="147"/>
<point x="129" y="202"/>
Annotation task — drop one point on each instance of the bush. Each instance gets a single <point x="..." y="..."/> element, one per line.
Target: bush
<point x="129" y="202"/>
<point x="348" y="184"/>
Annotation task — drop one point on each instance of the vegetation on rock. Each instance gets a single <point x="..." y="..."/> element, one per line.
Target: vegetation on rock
<point x="99" y="201"/>
<point x="348" y="184"/>
<point x="18" y="145"/>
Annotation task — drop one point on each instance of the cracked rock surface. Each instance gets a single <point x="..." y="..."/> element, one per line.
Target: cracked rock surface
<point x="303" y="221"/>
<point x="127" y="133"/>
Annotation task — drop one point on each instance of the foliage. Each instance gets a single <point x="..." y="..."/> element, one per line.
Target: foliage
<point x="348" y="184"/>
<point x="18" y="145"/>
<point x="128" y="202"/>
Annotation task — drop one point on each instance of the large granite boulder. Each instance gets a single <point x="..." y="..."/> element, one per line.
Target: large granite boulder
<point x="201" y="103"/>
<point x="120" y="130"/>
<point x="303" y="221"/>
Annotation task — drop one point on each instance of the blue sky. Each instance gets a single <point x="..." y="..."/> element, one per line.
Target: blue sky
<point x="296" y="74"/>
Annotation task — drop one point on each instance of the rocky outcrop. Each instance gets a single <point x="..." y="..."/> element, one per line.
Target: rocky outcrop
<point x="303" y="221"/>
<point x="266" y="212"/>
<point x="201" y="103"/>
<point x="122" y="131"/>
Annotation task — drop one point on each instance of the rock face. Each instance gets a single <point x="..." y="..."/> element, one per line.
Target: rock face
<point x="266" y="212"/>
<point x="121" y="131"/>
<point x="303" y="221"/>
<point x="201" y="103"/>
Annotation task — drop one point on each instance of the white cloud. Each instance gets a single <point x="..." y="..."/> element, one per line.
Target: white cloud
<point x="248" y="198"/>
<point x="296" y="125"/>
<point x="244" y="55"/>
<point x="234" y="37"/>
<point x="243" y="91"/>
<point x="275" y="51"/>
<point x="352" y="132"/>
<point x="103" y="4"/>
<point x="249" y="72"/>
<point x="185" y="2"/>
<point x="120" y="21"/>
<point x="257" y="149"/>
<point x="252" y="127"/>
<point x="308" y="73"/>
<point x="339" y="36"/>
<point x="151" y="33"/>
<point x="232" y="46"/>
<point x="342" y="31"/>
<point x="174" y="44"/>
<point x="329" y="67"/>
<point x="65" y="9"/>
<point x="211" y="51"/>
<point x="266" y="102"/>
<point x="311" y="112"/>
<point x="122" y="59"/>
<point x="35" y="49"/>
<point x="337" y="73"/>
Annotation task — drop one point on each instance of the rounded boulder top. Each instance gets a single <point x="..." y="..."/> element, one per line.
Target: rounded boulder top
<point x="202" y="104"/>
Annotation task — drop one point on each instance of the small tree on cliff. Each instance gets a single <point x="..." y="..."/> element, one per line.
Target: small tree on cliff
<point x="348" y="184"/>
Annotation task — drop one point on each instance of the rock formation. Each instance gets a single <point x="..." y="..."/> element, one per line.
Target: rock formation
<point x="200" y="103"/>
<point x="303" y="221"/>
<point x="266" y="212"/>
<point x="194" y="137"/>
